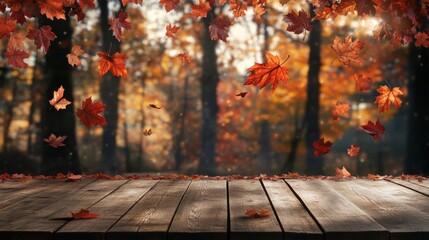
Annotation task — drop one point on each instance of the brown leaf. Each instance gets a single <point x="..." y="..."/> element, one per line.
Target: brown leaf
<point x="254" y="213"/>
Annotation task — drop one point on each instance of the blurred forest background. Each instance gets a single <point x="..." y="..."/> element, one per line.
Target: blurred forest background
<point x="202" y="126"/>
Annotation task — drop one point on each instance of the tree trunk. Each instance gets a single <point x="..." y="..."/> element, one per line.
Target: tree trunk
<point x="128" y="166"/>
<point x="36" y="93"/>
<point x="109" y="90"/>
<point x="9" y="116"/>
<point x="178" y="156"/>
<point x="314" y="164"/>
<point x="57" y="72"/>
<point x="289" y="164"/>
<point x="417" y="155"/>
<point x="209" y="81"/>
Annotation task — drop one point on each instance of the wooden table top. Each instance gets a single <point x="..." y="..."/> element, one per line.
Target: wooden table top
<point x="215" y="209"/>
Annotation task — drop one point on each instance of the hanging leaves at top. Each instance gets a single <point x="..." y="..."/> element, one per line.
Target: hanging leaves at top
<point x="238" y="8"/>
<point x="115" y="64"/>
<point x="201" y="9"/>
<point x="388" y="96"/>
<point x="119" y="23"/>
<point x="348" y="51"/>
<point x="125" y="2"/>
<point x="262" y="74"/>
<point x="42" y="37"/>
<point x="219" y="28"/>
<point x="52" y="9"/>
<point x="298" y="23"/>
<point x="7" y="26"/>
<point x="422" y="39"/>
<point x="169" y="4"/>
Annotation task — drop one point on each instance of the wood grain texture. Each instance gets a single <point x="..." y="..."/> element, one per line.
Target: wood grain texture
<point x="244" y="194"/>
<point x="151" y="216"/>
<point x="50" y="217"/>
<point x="202" y="213"/>
<point x="403" y="212"/>
<point x="110" y="209"/>
<point x="297" y="223"/>
<point x="11" y="192"/>
<point x="339" y="217"/>
<point x="414" y="185"/>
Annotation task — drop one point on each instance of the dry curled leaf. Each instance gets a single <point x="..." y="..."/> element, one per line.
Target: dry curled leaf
<point x="254" y="213"/>
<point x="73" y="57"/>
<point x="342" y="172"/>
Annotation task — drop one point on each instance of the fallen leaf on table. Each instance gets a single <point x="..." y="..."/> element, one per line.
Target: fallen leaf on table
<point x="254" y="213"/>
<point x="342" y="172"/>
<point x="84" y="214"/>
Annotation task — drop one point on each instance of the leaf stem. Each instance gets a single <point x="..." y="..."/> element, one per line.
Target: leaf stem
<point x="288" y="56"/>
<point x="388" y="83"/>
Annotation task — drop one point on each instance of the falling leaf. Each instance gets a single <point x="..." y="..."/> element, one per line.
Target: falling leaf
<point x="52" y="9"/>
<point x="238" y="8"/>
<point x="115" y="64"/>
<point x="16" y="58"/>
<point x="89" y="113"/>
<point x="353" y="150"/>
<point x="154" y="106"/>
<point x="388" y="96"/>
<point x="298" y="23"/>
<point x="73" y="57"/>
<point x="147" y="132"/>
<point x="254" y="213"/>
<point x="58" y="101"/>
<point x="340" y="109"/>
<point x="362" y="82"/>
<point x="119" y="23"/>
<point x="55" y="141"/>
<point x="259" y="10"/>
<point x="169" y="4"/>
<point x="84" y="214"/>
<point x="42" y="37"/>
<point x="242" y="94"/>
<point x="201" y="9"/>
<point x="171" y="30"/>
<point x="219" y="27"/>
<point x="262" y="74"/>
<point x="321" y="147"/>
<point x="7" y="26"/>
<point x="16" y="42"/>
<point x="342" y="172"/>
<point x="348" y="51"/>
<point x="422" y="39"/>
<point x="374" y="129"/>
<point x="184" y="58"/>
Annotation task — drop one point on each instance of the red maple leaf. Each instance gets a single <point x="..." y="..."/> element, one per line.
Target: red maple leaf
<point x="16" y="41"/>
<point x="58" y="101"/>
<point x="340" y="109"/>
<point x="73" y="57"/>
<point x="254" y="213"/>
<point x="84" y="214"/>
<point x="89" y="113"/>
<point x="262" y="74"/>
<point x="362" y="82"/>
<point x="16" y="58"/>
<point x="42" y="37"/>
<point x="76" y="10"/>
<point x="55" y="141"/>
<point x="374" y="129"/>
<point x="201" y="9"/>
<point x="298" y="23"/>
<point x="184" y="58"/>
<point x="422" y="39"/>
<point x="348" y="51"/>
<point x="52" y="9"/>
<point x="321" y="147"/>
<point x="6" y="26"/>
<point x="85" y="4"/>
<point x="119" y="23"/>
<point x="171" y="30"/>
<point x="342" y="172"/>
<point x="388" y="96"/>
<point x="169" y="4"/>
<point x="353" y="150"/>
<point x="238" y="8"/>
<point x="218" y="28"/>
<point x="115" y="64"/>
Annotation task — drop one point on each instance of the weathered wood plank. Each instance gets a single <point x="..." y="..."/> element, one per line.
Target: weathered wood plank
<point x="403" y="212"/>
<point x="110" y="210"/>
<point x="202" y="213"/>
<point x="297" y="223"/>
<point x="244" y="194"/>
<point x="11" y="192"/>
<point x="151" y="216"/>
<point x="50" y="217"/>
<point x="339" y="218"/>
<point x="412" y="185"/>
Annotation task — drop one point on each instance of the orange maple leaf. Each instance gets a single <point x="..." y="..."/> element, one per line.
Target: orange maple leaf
<point x="6" y="26"/>
<point x="89" y="113"/>
<point x="52" y="9"/>
<point x="169" y="4"/>
<point x="55" y="141"/>
<point x="201" y="9"/>
<point x="262" y="74"/>
<point x="73" y="57"/>
<point x="353" y="150"/>
<point x="340" y="109"/>
<point x="362" y="82"/>
<point x="84" y="214"/>
<point x="238" y="8"/>
<point x="342" y="172"/>
<point x="115" y="64"/>
<point x="184" y="58"/>
<point x="16" y="42"/>
<point x="58" y="101"/>
<point x="254" y="213"/>
<point x="348" y="51"/>
<point x="388" y="96"/>
<point x="171" y="30"/>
